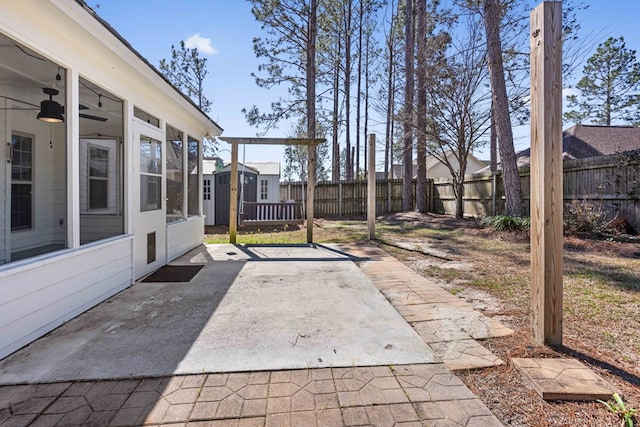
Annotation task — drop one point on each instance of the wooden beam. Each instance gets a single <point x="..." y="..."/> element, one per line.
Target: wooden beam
<point x="233" y="201"/>
<point x="371" y="189"/>
<point x="546" y="174"/>
<point x="311" y="186"/>
<point x="272" y="141"/>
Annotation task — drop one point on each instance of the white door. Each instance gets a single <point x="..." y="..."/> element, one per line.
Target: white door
<point x="150" y="203"/>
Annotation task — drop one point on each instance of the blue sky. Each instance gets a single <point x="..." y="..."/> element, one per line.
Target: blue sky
<point x="225" y="29"/>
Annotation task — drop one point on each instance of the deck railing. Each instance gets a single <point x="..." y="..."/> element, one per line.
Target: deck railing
<point x="259" y="213"/>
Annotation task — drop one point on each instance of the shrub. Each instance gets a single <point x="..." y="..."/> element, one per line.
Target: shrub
<point x="506" y="223"/>
<point x="584" y="216"/>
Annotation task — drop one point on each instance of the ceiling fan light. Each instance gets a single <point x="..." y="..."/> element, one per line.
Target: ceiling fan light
<point x="51" y="112"/>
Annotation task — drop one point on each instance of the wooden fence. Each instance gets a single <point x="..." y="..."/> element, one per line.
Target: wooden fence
<point x="611" y="183"/>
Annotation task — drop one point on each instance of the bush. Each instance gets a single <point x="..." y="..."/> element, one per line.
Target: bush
<point x="506" y="223"/>
<point x="584" y="216"/>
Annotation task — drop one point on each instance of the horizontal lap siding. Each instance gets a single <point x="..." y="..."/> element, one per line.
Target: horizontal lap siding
<point x="184" y="236"/>
<point x="39" y="298"/>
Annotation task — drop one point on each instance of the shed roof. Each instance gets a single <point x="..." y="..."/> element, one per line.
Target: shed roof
<point x="265" y="168"/>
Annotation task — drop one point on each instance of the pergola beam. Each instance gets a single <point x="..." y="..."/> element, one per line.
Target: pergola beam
<point x="312" y="143"/>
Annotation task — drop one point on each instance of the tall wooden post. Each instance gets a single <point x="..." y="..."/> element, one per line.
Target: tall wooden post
<point x="546" y="174"/>
<point x="233" y="201"/>
<point x="311" y="186"/>
<point x="371" y="189"/>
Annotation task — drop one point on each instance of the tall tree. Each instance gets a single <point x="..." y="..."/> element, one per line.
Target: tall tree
<point x="407" y="124"/>
<point x="347" y="40"/>
<point x="421" y="108"/>
<point x="491" y="14"/>
<point x="289" y="52"/>
<point x="459" y="106"/>
<point x="609" y="88"/>
<point x="187" y="70"/>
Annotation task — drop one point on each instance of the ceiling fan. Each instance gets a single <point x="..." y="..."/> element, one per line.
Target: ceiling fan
<point x="50" y="110"/>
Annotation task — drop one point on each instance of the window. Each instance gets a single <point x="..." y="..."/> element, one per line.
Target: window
<point x="21" y="182"/>
<point x="150" y="174"/>
<point x="193" y="152"/>
<point x="206" y="190"/>
<point x="98" y="178"/>
<point x="146" y="117"/>
<point x="264" y="189"/>
<point x="174" y="175"/>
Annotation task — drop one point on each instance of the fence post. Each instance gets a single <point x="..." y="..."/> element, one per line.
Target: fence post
<point x="494" y="193"/>
<point x="340" y="198"/>
<point x="371" y="189"/>
<point x="389" y="205"/>
<point x="546" y="174"/>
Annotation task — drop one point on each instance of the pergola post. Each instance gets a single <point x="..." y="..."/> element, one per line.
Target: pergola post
<point x="233" y="202"/>
<point x="371" y="189"/>
<point x="312" y="143"/>
<point x="546" y="174"/>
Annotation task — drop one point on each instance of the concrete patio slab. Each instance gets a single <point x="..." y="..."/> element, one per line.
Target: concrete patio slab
<point x="245" y="312"/>
<point x="563" y="379"/>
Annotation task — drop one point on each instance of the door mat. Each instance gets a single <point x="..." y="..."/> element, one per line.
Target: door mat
<point x="173" y="273"/>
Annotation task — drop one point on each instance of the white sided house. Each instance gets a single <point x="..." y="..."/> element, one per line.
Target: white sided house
<point x="100" y="178"/>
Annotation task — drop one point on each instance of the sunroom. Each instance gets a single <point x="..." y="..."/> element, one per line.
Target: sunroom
<point x="100" y="177"/>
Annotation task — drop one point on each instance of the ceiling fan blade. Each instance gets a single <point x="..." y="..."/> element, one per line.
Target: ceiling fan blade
<point x="90" y="117"/>
<point x="83" y="107"/>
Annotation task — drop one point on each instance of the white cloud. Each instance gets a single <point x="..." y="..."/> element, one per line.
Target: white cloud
<point x="566" y="91"/>
<point x="203" y="44"/>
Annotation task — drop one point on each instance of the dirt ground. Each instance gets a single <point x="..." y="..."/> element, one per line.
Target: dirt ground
<point x="602" y="335"/>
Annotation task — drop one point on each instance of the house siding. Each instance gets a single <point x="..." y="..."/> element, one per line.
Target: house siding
<point x="183" y="236"/>
<point x="40" y="293"/>
<point x="40" y="296"/>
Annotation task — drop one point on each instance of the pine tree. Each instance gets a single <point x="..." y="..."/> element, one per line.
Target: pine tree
<point x="609" y="88"/>
<point x="187" y="71"/>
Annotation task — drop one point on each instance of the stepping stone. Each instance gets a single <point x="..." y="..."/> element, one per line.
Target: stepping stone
<point x="481" y="327"/>
<point x="433" y="331"/>
<point x="563" y="379"/>
<point x="465" y="354"/>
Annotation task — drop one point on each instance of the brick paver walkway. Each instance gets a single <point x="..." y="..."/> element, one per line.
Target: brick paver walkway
<point x="405" y="395"/>
<point x="410" y="395"/>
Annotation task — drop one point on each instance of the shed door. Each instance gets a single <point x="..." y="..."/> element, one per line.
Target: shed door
<point x="222" y="194"/>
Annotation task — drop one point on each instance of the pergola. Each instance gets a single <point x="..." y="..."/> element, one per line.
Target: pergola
<point x="311" y="176"/>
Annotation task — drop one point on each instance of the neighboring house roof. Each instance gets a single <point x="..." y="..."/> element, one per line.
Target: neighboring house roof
<point x="105" y="24"/>
<point x="432" y="162"/>
<point x="582" y="141"/>
<point x="265" y="168"/>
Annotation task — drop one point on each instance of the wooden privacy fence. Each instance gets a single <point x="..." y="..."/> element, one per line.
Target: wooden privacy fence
<point x="610" y="183"/>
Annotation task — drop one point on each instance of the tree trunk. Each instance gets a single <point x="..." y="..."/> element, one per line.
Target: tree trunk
<point x="493" y="142"/>
<point x="421" y="108"/>
<point x="347" y="90"/>
<point x="511" y="179"/>
<point x="312" y="32"/>
<point x="459" y="193"/>
<point x="335" y="166"/>
<point x="388" y="148"/>
<point x="359" y="89"/>
<point x="407" y="172"/>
